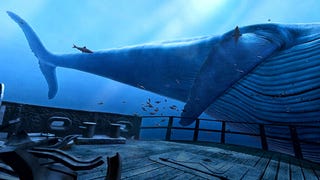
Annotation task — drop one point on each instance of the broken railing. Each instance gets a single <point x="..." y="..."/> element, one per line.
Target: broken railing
<point x="288" y="134"/>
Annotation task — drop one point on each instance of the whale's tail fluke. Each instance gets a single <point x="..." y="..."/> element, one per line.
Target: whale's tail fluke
<point x="45" y="58"/>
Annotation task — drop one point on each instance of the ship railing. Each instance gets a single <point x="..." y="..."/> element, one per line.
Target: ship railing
<point x="170" y="123"/>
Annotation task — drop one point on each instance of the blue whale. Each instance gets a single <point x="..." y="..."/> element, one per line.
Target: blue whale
<point x="268" y="73"/>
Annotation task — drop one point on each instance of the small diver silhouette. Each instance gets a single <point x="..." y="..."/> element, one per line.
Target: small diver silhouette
<point x="82" y="49"/>
<point x="236" y="34"/>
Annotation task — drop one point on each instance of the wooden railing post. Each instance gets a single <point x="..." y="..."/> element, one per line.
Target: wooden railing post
<point x="196" y="130"/>
<point x="295" y="142"/>
<point x="263" y="137"/>
<point x="170" y="123"/>
<point x="223" y="132"/>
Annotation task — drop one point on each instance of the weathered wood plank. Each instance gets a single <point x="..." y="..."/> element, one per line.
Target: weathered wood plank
<point x="188" y="162"/>
<point x="140" y="170"/>
<point x="259" y="168"/>
<point x="295" y="170"/>
<point x="187" y="176"/>
<point x="159" y="173"/>
<point x="128" y="164"/>
<point x="236" y="171"/>
<point x="196" y="162"/>
<point x="231" y="165"/>
<point x="284" y="169"/>
<point x="272" y="168"/>
<point x="308" y="171"/>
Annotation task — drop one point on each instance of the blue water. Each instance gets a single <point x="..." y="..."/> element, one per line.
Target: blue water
<point x="113" y="23"/>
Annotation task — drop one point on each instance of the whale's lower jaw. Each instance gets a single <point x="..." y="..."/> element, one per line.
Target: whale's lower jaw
<point x="283" y="89"/>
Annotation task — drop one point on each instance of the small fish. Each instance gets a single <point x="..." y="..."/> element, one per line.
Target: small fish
<point x="236" y="34"/>
<point x="142" y="87"/>
<point x="173" y="107"/>
<point x="240" y="71"/>
<point x="82" y="49"/>
<point x="100" y="103"/>
<point x="157" y="102"/>
<point x="124" y="102"/>
<point x="149" y="105"/>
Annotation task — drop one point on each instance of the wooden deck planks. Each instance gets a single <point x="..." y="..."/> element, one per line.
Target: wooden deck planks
<point x="136" y="162"/>
<point x="187" y="176"/>
<point x="160" y="173"/>
<point x="140" y="170"/>
<point x="284" y="169"/>
<point x="295" y="170"/>
<point x="259" y="167"/>
<point x="309" y="174"/>
<point x="272" y="168"/>
<point x="129" y="164"/>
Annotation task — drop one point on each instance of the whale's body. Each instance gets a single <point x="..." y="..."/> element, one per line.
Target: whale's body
<point x="269" y="74"/>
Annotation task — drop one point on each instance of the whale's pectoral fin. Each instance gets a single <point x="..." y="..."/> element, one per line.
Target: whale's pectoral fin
<point x="49" y="73"/>
<point x="226" y="64"/>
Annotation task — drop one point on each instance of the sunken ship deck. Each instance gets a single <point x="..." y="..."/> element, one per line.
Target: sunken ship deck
<point x="162" y="159"/>
<point x="171" y="160"/>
